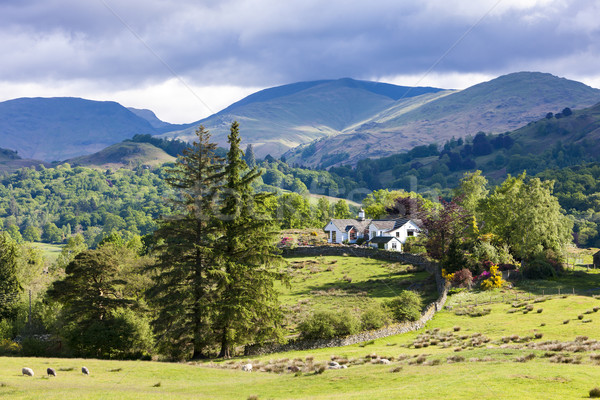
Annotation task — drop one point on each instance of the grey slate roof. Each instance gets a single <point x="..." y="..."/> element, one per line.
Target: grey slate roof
<point x="345" y="224"/>
<point x="389" y="224"/>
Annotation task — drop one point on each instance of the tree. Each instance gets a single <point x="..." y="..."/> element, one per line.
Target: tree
<point x="186" y="269"/>
<point x="376" y="202"/>
<point x="249" y="156"/>
<point x="341" y="209"/>
<point x="471" y="191"/>
<point x="527" y="217"/>
<point x="91" y="294"/>
<point x="247" y="309"/>
<point x="10" y="287"/>
<point x="32" y="234"/>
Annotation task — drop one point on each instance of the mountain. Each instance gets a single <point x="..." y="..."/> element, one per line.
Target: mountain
<point x="500" y="105"/>
<point x="124" y="155"/>
<point x="556" y="141"/>
<point x="10" y="161"/>
<point x="277" y="119"/>
<point x="159" y="125"/>
<point x="65" y="127"/>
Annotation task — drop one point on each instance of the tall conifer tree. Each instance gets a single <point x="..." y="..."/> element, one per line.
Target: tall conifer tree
<point x="186" y="272"/>
<point x="248" y="308"/>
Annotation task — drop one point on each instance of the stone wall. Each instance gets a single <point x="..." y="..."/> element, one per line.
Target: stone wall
<point x="390" y="330"/>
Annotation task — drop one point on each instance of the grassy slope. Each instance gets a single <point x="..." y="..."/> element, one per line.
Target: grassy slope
<point x="498" y="377"/>
<point x="124" y="155"/>
<point x="346" y="283"/>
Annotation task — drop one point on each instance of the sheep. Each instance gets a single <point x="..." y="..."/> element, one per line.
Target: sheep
<point x="384" y="361"/>
<point x="247" y="367"/>
<point x="85" y="371"/>
<point x="51" y="372"/>
<point x="333" y="365"/>
<point x="27" y="371"/>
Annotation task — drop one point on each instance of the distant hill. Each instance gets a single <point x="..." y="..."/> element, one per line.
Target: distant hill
<point x="159" y="125"/>
<point x="500" y="105"/>
<point x="277" y="119"/>
<point x="59" y="128"/>
<point x="124" y="155"/>
<point x="10" y="161"/>
<point x="558" y="140"/>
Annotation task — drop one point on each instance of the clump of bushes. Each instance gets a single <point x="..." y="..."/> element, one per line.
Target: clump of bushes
<point x="375" y="317"/>
<point x="327" y="325"/>
<point x="406" y="306"/>
<point x="595" y="392"/>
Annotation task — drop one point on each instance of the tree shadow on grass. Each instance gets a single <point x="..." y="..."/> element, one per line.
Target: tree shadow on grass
<point x="380" y="286"/>
<point x="580" y="282"/>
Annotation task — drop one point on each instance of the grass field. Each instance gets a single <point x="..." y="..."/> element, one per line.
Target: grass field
<point x="347" y="283"/>
<point x="49" y="251"/>
<point x="524" y="345"/>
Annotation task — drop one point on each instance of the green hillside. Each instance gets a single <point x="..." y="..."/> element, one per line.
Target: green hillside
<point x="10" y="161"/>
<point x="124" y="155"/>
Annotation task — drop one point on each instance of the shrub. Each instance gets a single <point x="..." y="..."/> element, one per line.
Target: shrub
<point x="375" y="317"/>
<point x="327" y="325"/>
<point x="595" y="392"/>
<point x="462" y="278"/>
<point x="495" y="279"/>
<point x="406" y="306"/>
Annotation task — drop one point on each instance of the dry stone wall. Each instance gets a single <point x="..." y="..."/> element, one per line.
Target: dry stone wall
<point x="389" y="330"/>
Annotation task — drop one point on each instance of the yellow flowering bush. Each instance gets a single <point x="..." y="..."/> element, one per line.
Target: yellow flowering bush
<point x="494" y="280"/>
<point x="448" y="277"/>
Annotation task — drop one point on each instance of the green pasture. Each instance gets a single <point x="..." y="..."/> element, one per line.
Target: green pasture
<point x="347" y="283"/>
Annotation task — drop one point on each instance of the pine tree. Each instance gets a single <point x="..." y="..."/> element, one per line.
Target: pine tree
<point x="183" y="290"/>
<point x="248" y="309"/>
<point x="249" y="156"/>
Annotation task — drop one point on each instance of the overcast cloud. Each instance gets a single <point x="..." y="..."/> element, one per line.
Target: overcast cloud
<point x="186" y="59"/>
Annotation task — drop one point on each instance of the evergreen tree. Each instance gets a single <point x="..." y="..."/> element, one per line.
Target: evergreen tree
<point x="187" y="273"/>
<point x="249" y="156"/>
<point x="247" y="309"/>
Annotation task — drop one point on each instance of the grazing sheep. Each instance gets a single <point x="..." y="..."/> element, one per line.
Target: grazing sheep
<point x="27" y="371"/>
<point x="247" y="367"/>
<point x="293" y="368"/>
<point x="384" y="361"/>
<point x="333" y="365"/>
<point x="85" y="371"/>
<point x="51" y="372"/>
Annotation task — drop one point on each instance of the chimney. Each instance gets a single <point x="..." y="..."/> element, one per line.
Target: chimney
<point x="361" y="215"/>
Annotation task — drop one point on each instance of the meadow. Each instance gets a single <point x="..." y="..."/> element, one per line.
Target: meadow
<point x="519" y="342"/>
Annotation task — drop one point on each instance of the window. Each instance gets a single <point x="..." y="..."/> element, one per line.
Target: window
<point x="352" y="234"/>
<point x="333" y="238"/>
<point x="410" y="233"/>
<point x="394" y="245"/>
<point x="397" y="234"/>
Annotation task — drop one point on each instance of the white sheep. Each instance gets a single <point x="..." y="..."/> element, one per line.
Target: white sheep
<point x="85" y="371"/>
<point x="247" y="367"/>
<point x="27" y="371"/>
<point x="384" y="361"/>
<point x="51" y="372"/>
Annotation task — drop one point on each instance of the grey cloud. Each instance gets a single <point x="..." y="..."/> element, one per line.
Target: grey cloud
<point x="265" y="42"/>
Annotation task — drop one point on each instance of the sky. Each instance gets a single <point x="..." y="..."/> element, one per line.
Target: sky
<point x="188" y="59"/>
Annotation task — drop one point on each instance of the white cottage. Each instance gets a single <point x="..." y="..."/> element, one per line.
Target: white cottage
<point x="348" y="230"/>
<point x="391" y="234"/>
<point x="388" y="234"/>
